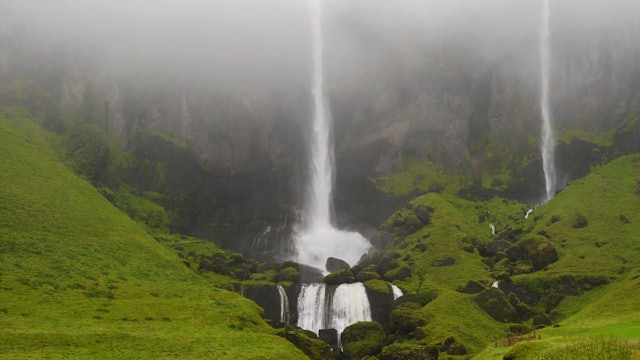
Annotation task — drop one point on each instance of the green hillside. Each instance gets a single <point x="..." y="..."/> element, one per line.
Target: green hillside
<point x="572" y="262"/>
<point x="80" y="279"/>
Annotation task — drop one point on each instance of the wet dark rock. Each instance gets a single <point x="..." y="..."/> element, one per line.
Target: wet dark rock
<point x="495" y="303"/>
<point x="398" y="351"/>
<point x="330" y="336"/>
<point x="334" y="264"/>
<point x="380" y="303"/>
<point x="472" y="287"/>
<point x="310" y="274"/>
<point x="362" y="339"/>
<point x="623" y="219"/>
<point x="308" y="343"/>
<point x="340" y="277"/>
<point x="267" y="296"/>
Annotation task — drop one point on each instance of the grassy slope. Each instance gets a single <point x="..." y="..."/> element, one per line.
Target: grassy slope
<point x="79" y="279"/>
<point x="607" y="246"/>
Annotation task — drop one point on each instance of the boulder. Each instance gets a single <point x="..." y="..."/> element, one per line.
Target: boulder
<point x="472" y="287"/>
<point x="339" y="277"/>
<point x="289" y="274"/>
<point x="398" y="351"/>
<point x="541" y="320"/>
<point x="536" y="251"/>
<point x="407" y="317"/>
<point x="330" y="336"/>
<point x="399" y="273"/>
<point x="314" y="348"/>
<point x="334" y="264"/>
<point x="424" y="213"/>
<point x="362" y="339"/>
<point x="363" y="276"/>
<point x="495" y="303"/>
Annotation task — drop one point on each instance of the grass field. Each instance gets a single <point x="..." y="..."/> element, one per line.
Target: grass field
<point x="80" y="279"/>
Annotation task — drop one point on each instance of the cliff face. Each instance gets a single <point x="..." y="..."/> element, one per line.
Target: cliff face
<point x="241" y="146"/>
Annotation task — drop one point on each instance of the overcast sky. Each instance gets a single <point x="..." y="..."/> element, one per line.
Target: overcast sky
<point x="269" y="39"/>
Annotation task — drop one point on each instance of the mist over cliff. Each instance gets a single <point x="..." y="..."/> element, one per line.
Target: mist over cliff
<point x="451" y="83"/>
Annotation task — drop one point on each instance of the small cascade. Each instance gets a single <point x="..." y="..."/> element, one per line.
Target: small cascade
<point x="526" y="216"/>
<point x="496" y="284"/>
<point x="396" y="292"/>
<point x="327" y="307"/>
<point x="493" y="229"/>
<point x="284" y="305"/>
<point x="350" y="304"/>
<point x="311" y="307"/>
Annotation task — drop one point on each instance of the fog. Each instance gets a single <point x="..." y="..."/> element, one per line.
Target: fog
<point x="267" y="41"/>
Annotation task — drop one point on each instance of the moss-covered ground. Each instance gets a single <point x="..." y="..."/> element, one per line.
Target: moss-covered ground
<point x="80" y="279"/>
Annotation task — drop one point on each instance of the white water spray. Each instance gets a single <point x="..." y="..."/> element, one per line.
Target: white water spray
<point x="284" y="305"/>
<point x="318" y="239"/>
<point x="319" y="309"/>
<point x="396" y="292"/>
<point x="547" y="145"/>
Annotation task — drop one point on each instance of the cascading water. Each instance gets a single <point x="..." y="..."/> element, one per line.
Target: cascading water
<point x="317" y="239"/>
<point x="326" y="307"/>
<point x="547" y="146"/>
<point x="284" y="305"/>
<point x="396" y="292"/>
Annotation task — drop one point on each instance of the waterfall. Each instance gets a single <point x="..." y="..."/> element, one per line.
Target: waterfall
<point x="284" y="305"/>
<point x="547" y="145"/>
<point x="396" y="292"/>
<point x="317" y="239"/>
<point x="311" y="307"/>
<point x="322" y="307"/>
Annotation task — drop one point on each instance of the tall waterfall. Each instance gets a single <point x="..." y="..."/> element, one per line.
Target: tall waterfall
<point x="284" y="305"/>
<point x="323" y="307"/>
<point x="317" y="238"/>
<point x="547" y="145"/>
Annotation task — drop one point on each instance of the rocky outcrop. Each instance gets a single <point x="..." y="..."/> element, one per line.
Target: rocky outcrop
<point x="362" y="339"/>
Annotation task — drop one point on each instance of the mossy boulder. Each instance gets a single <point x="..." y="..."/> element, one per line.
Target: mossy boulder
<point x="407" y="317"/>
<point x="362" y="339"/>
<point x="495" y="303"/>
<point x="364" y="276"/>
<point x="378" y="286"/>
<point x="288" y="274"/>
<point x="536" y="251"/>
<point x="311" y="346"/>
<point x="340" y="277"/>
<point x="334" y="264"/>
<point x="398" y="351"/>
<point x="472" y="287"/>
<point x="541" y="320"/>
<point x="400" y="273"/>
